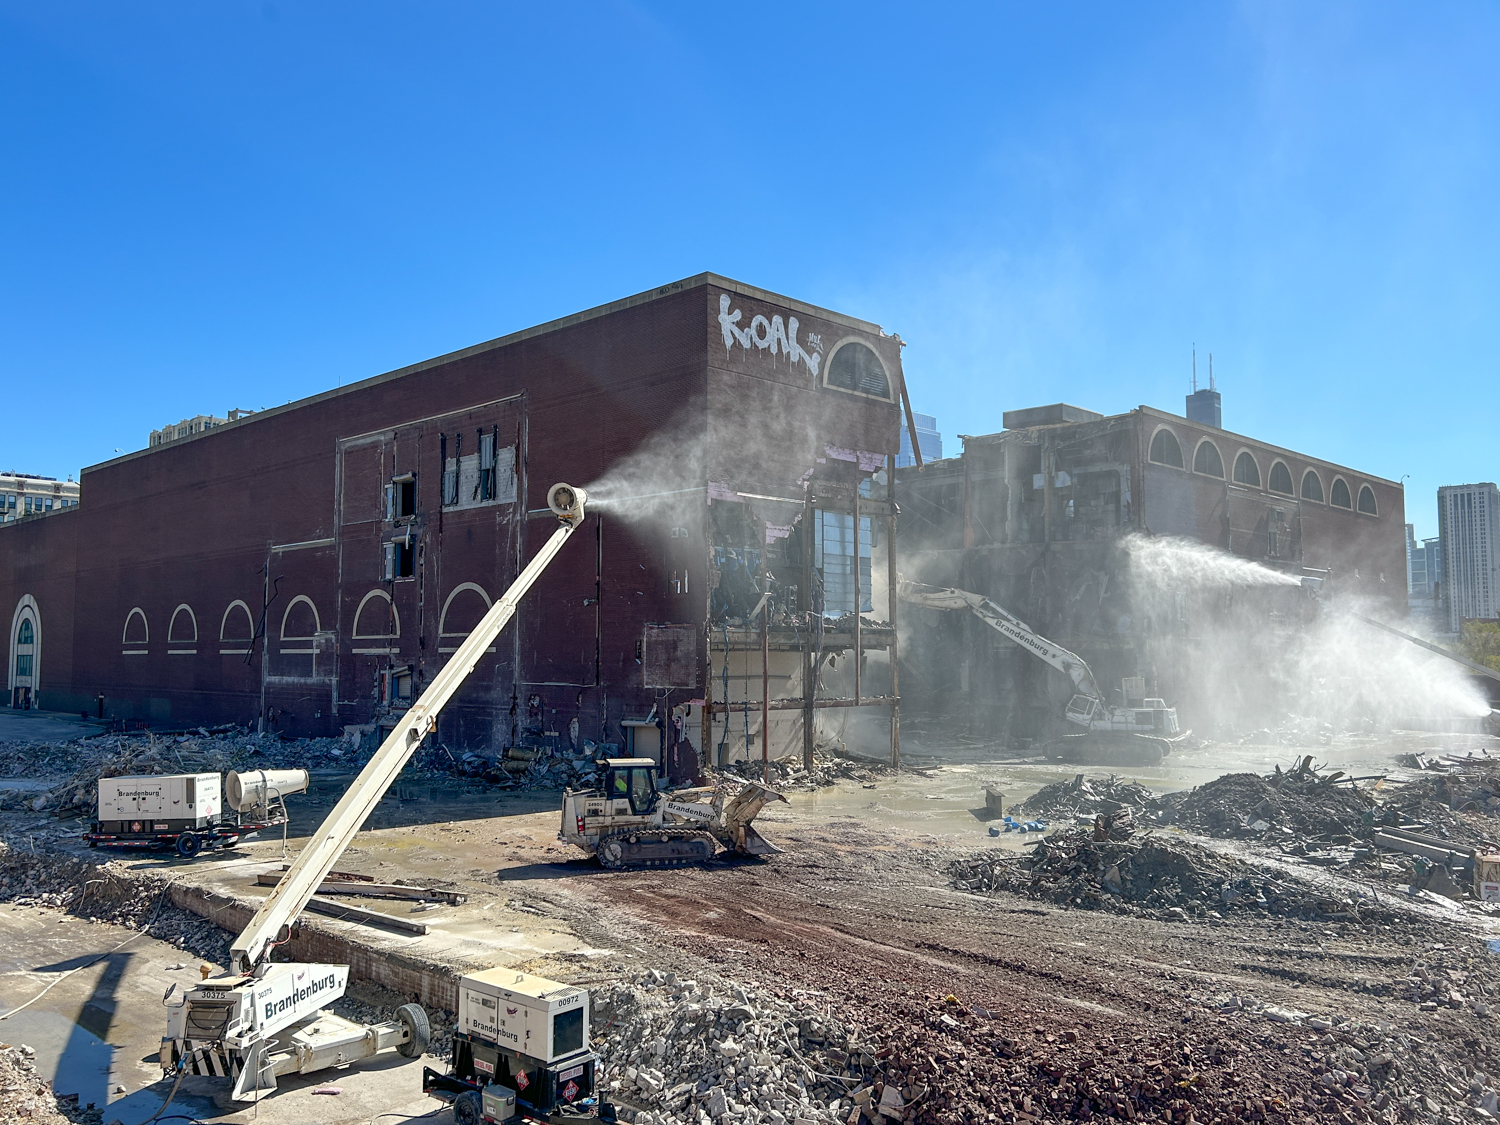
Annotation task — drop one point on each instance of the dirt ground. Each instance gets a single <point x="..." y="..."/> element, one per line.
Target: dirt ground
<point x="980" y="1007"/>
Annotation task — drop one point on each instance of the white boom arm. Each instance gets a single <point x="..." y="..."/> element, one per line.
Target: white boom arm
<point x="1010" y="626"/>
<point x="323" y="849"/>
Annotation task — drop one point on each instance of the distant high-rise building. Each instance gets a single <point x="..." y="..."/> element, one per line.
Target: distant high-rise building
<point x="1424" y="578"/>
<point x="1205" y="406"/>
<point x="1469" y="534"/>
<point x="929" y="441"/>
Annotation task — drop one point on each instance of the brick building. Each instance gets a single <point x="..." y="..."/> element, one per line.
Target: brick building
<point x="312" y="565"/>
<point x="1034" y="518"/>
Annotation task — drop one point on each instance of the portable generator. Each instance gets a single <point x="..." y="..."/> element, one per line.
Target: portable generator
<point x="525" y="1035"/>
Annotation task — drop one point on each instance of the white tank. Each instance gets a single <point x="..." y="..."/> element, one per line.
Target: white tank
<point x="253" y="788"/>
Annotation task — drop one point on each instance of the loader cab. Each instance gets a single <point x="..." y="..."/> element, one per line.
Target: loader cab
<point x="633" y="780"/>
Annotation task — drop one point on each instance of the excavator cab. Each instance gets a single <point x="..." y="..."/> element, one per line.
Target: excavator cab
<point x="632" y="780"/>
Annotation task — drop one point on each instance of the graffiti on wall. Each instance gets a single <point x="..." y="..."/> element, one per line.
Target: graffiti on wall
<point x="769" y="335"/>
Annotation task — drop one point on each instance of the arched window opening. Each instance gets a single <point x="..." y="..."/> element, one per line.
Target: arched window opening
<point x="856" y="367"/>
<point x="1281" y="479"/>
<point x="376" y="617"/>
<point x="300" y="621"/>
<point x="237" y="625"/>
<point x="1207" y="460"/>
<point x="136" y="632"/>
<point x="1312" y="486"/>
<point x="1246" y="471"/>
<point x="463" y="610"/>
<point x="1367" y="500"/>
<point x="1165" y="450"/>
<point x="183" y="628"/>
<point x="25" y="635"/>
<point x="1339" y="497"/>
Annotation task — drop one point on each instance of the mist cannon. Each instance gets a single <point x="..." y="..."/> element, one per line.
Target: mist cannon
<point x="566" y="502"/>
<point x="256" y="789"/>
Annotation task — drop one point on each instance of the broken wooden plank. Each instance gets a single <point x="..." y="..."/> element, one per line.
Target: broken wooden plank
<point x="351" y="913"/>
<point x="373" y="889"/>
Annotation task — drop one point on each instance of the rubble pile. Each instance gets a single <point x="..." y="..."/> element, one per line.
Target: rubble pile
<point x="1083" y="796"/>
<point x="26" y="1096"/>
<point x="1463" y="804"/>
<point x="107" y="892"/>
<point x="1158" y="876"/>
<point x="1246" y="805"/>
<point x="828" y="769"/>
<point x="680" y="1048"/>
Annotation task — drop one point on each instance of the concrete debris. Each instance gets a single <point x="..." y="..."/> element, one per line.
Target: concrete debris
<point x="1301" y="803"/>
<point x="26" y="1096"/>
<point x="829" y="768"/>
<point x="1160" y="876"/>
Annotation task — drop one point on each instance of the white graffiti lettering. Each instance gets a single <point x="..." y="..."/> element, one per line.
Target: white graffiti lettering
<point x="773" y="335"/>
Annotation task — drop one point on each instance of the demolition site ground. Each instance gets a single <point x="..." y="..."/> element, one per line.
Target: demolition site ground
<point x="898" y="962"/>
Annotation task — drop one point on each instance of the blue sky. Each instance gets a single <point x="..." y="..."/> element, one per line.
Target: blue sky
<point x="241" y="203"/>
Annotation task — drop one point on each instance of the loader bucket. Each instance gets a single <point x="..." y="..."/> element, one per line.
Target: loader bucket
<point x="755" y="843"/>
<point x="739" y="811"/>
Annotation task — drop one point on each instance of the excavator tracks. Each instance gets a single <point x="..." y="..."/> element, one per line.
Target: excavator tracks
<point x="656" y="847"/>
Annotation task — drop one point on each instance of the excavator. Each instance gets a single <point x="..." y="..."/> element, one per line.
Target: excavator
<point x="1121" y="736"/>
<point x="264" y="1018"/>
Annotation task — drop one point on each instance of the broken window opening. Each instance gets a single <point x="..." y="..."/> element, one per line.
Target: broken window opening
<point x="484" y="487"/>
<point x="400" y="559"/>
<point x="401" y="497"/>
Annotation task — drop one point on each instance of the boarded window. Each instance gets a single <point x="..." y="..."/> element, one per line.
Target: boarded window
<point x="376" y="617"/>
<point x="1165" y="450"/>
<point x="300" y="621"/>
<point x="1339" y="498"/>
<point x="1281" y="479"/>
<point x="1312" y="486"/>
<point x="136" y="630"/>
<point x="669" y="656"/>
<point x="237" y="625"/>
<point x="1207" y="460"/>
<point x="1246" y="471"/>
<point x="463" y="610"/>
<point x="1367" y="500"/>
<point x="183" y="628"/>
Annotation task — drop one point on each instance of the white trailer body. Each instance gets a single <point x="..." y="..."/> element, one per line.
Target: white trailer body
<point x="168" y="803"/>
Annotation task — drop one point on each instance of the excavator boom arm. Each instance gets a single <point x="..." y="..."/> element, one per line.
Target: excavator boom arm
<point x="323" y="849"/>
<point x="1009" y="626"/>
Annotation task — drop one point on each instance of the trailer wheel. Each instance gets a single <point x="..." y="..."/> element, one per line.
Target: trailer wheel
<point x="189" y="845"/>
<point x="418" y="1032"/>
<point x="468" y="1109"/>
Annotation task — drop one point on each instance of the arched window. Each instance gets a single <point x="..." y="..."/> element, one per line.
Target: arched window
<point x="183" y="628"/>
<point x="236" y="630"/>
<point x="1207" y="460"/>
<point x="300" y="621"/>
<point x="1281" y="479"/>
<point x="1246" y="471"/>
<point x="25" y="635"/>
<point x="1312" y="486"/>
<point x="376" y="616"/>
<point x="855" y="367"/>
<point x="136" y="631"/>
<point x="461" y="612"/>
<point x="1339" y="497"/>
<point x="1367" y="500"/>
<point x="1165" y="450"/>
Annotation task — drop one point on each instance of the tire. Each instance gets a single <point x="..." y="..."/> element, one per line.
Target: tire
<point x="468" y="1109"/>
<point x="189" y="845"/>
<point x="419" y="1033"/>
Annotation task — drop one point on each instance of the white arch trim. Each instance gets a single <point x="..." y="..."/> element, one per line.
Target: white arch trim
<point x="1319" y="478"/>
<point x="1352" y="495"/>
<point x="1217" y="453"/>
<point x="311" y="648"/>
<point x="443" y="617"/>
<point x="224" y="625"/>
<point x="890" y="383"/>
<point x="185" y="647"/>
<point x="26" y="607"/>
<point x="135" y="648"/>
<point x="388" y="647"/>
<point x="1295" y="482"/>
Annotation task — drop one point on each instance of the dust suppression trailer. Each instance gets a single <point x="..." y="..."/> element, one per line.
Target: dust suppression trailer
<point x="186" y="810"/>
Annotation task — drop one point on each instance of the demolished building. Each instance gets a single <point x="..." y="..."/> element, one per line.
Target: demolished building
<point x="1038" y="518"/>
<point x="309" y="567"/>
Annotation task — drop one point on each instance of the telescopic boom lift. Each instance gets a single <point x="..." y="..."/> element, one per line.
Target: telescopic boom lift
<point x="263" y="1018"/>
